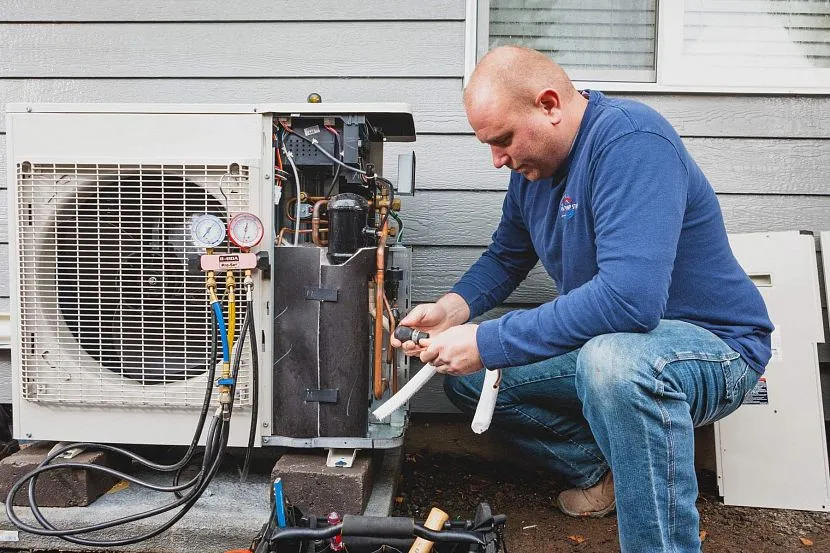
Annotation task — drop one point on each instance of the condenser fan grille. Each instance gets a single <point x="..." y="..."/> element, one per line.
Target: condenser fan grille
<point x="110" y="312"/>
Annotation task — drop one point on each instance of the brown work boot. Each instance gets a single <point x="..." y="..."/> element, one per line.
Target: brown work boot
<point x="594" y="502"/>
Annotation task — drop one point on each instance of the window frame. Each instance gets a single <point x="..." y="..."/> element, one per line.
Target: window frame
<point x="671" y="73"/>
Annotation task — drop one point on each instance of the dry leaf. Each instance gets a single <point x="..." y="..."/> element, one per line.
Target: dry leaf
<point x="702" y="535"/>
<point x="806" y="542"/>
<point x="576" y="539"/>
<point x="121" y="485"/>
<point x="399" y="499"/>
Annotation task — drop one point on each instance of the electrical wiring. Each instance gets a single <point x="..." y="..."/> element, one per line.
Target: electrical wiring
<point x="340" y="155"/>
<point x="316" y="144"/>
<point x="290" y="157"/>
<point x="399" y="237"/>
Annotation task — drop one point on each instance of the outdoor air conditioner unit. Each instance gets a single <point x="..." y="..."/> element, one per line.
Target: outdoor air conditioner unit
<point x="110" y="321"/>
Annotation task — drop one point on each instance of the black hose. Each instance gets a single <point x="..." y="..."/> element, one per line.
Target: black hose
<point x="215" y="446"/>
<point x="211" y="368"/>
<point x="246" y="465"/>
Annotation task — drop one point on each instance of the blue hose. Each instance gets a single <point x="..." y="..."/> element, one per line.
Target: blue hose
<point x="223" y="332"/>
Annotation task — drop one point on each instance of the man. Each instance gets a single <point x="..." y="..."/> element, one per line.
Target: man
<point x="656" y="328"/>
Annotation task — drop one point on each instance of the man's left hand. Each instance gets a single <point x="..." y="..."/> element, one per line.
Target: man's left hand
<point x="454" y="351"/>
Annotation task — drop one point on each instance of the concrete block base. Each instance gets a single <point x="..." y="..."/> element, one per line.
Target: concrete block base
<point x="227" y="516"/>
<point x="317" y="489"/>
<point x="58" y="488"/>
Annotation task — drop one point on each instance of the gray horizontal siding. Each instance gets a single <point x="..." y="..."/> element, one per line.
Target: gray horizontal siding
<point x="240" y="50"/>
<point x="434" y="101"/>
<point x="433" y="275"/>
<point x="742" y="116"/>
<point x="455" y="218"/>
<point x="732" y="165"/>
<point x="47" y="11"/>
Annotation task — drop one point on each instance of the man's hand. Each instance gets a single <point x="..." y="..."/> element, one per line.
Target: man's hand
<point x="433" y="318"/>
<point x="454" y="351"/>
<point x="426" y="317"/>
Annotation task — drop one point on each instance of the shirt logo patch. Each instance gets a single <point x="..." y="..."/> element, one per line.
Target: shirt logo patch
<point x="567" y="207"/>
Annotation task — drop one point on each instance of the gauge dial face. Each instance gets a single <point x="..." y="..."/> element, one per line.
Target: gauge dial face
<point x="207" y="231"/>
<point x="245" y="230"/>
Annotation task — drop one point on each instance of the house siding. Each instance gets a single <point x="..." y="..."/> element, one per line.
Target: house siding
<point x="765" y="155"/>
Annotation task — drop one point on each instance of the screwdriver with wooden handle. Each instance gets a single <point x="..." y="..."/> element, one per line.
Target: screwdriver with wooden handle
<point x="435" y="521"/>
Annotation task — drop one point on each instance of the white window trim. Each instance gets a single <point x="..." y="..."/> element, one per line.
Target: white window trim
<point x="670" y="72"/>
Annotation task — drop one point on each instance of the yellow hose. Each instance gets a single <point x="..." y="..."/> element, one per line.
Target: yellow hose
<point x="229" y="290"/>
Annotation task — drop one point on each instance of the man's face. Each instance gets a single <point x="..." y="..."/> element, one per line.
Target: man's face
<point x="523" y="138"/>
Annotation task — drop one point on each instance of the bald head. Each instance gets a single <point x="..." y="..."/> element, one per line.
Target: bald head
<point x="518" y="74"/>
<point x="525" y="108"/>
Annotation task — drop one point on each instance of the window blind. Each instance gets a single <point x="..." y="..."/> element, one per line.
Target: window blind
<point x="763" y="34"/>
<point x="598" y="40"/>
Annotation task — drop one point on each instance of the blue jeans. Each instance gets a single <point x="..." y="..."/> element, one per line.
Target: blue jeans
<point x="630" y="401"/>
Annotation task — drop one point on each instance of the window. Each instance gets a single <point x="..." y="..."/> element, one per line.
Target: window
<point x="608" y="40"/>
<point x="706" y="45"/>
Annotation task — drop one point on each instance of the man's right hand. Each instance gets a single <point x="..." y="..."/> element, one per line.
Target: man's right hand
<point x="434" y="318"/>
<point x="426" y="317"/>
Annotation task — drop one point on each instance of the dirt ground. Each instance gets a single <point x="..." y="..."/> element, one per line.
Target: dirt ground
<point x="450" y="467"/>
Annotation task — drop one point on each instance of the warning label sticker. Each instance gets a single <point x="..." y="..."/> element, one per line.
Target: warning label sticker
<point x="758" y="394"/>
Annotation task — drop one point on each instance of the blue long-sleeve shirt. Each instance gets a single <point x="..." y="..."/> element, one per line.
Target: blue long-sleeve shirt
<point x="631" y="232"/>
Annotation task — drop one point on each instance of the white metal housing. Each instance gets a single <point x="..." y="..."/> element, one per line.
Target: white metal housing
<point x="773" y="452"/>
<point x="101" y="198"/>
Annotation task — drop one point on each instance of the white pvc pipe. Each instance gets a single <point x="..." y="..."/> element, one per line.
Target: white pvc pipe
<point x="407" y="391"/>
<point x="486" y="401"/>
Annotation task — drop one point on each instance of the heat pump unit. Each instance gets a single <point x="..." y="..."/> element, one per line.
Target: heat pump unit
<point x="110" y="318"/>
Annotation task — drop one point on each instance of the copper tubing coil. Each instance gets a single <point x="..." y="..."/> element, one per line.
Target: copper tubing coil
<point x="283" y="230"/>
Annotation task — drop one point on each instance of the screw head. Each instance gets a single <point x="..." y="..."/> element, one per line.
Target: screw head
<point x="28" y="434"/>
<point x="266" y="176"/>
<point x="265" y="425"/>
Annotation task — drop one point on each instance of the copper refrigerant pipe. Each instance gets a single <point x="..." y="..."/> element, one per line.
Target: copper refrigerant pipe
<point x="283" y="230"/>
<point x="379" y="296"/>
<point x="391" y="357"/>
<point x="315" y="223"/>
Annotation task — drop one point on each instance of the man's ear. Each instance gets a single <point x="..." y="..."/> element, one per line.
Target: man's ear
<point x="550" y="102"/>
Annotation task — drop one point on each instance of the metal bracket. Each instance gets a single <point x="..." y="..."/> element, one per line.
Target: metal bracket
<point x="321" y="294"/>
<point x="321" y="396"/>
<point x="340" y="458"/>
<point x="69" y="453"/>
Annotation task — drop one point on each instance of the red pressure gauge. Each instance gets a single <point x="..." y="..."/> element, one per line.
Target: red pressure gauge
<point x="245" y="230"/>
